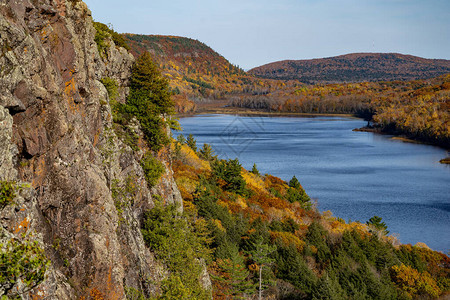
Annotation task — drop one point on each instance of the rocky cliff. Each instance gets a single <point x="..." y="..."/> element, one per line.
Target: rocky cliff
<point x="80" y="191"/>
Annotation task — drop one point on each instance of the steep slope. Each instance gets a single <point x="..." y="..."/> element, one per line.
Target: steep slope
<point x="266" y="230"/>
<point x="356" y="67"/>
<point x="63" y="170"/>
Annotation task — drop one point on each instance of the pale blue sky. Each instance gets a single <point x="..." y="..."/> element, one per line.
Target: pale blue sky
<point x="255" y="32"/>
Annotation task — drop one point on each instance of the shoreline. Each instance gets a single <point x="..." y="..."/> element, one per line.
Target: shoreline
<point x="249" y="112"/>
<point x="258" y="113"/>
<point x="399" y="137"/>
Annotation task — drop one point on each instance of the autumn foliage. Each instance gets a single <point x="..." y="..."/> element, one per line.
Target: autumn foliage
<point x="320" y="256"/>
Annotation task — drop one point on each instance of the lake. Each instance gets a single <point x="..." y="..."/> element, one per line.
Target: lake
<point x="356" y="175"/>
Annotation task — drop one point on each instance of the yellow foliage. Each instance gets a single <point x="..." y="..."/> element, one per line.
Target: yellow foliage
<point x="192" y="159"/>
<point x="253" y="180"/>
<point x="188" y="184"/>
<point x="338" y="227"/>
<point x="190" y="207"/>
<point x="241" y="202"/>
<point x="413" y="282"/>
<point x="219" y="225"/>
<point x="327" y="214"/>
<point x="224" y="204"/>
<point x="288" y="238"/>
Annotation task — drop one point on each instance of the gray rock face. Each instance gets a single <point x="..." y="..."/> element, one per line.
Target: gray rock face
<point x="7" y="150"/>
<point x="56" y="134"/>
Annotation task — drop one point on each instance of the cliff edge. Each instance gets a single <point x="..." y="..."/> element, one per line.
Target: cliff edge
<point x="69" y="169"/>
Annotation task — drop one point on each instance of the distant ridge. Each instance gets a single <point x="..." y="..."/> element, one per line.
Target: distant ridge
<point x="191" y="66"/>
<point x="355" y="67"/>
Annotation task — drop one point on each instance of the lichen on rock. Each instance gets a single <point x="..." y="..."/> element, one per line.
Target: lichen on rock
<point x="56" y="134"/>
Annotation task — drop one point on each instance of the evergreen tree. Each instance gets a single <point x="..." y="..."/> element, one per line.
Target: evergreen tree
<point x="149" y="100"/>
<point x="181" y="243"/>
<point x="234" y="274"/>
<point x="233" y="177"/>
<point x="375" y="223"/>
<point x="191" y="142"/>
<point x="181" y="139"/>
<point x="317" y="236"/>
<point x="148" y="80"/>
<point x="292" y="267"/>
<point x="230" y="172"/>
<point x="207" y="152"/>
<point x="328" y="288"/>
<point x="255" y="170"/>
<point x="260" y="255"/>
<point x="294" y="183"/>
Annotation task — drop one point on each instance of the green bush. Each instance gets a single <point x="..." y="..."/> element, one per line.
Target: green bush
<point x="180" y="242"/>
<point x="287" y="225"/>
<point x="103" y="32"/>
<point x="21" y="261"/>
<point x="127" y="136"/>
<point x="7" y="193"/>
<point x="181" y="139"/>
<point x="153" y="169"/>
<point x="111" y="86"/>
<point x="100" y="38"/>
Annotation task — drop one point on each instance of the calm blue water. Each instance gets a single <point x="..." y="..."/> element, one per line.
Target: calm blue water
<point x="356" y="175"/>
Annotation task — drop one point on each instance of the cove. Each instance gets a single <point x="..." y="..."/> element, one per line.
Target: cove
<point x="356" y="175"/>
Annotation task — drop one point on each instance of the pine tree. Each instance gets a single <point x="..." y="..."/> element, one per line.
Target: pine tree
<point x="146" y="78"/>
<point x="375" y="223"/>
<point x="260" y="255"/>
<point x="207" y="152"/>
<point x="181" y="139"/>
<point x="233" y="176"/>
<point x="328" y="288"/>
<point x="149" y="100"/>
<point x="255" y="170"/>
<point x="294" y="183"/>
<point x="234" y="275"/>
<point x="191" y="142"/>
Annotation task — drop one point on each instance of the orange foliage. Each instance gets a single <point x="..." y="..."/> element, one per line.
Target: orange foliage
<point x="413" y="282"/>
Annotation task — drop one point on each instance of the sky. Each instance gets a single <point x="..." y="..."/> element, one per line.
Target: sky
<point x="250" y="33"/>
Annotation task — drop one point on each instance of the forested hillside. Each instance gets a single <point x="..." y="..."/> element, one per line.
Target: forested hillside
<point x="418" y="109"/>
<point x="195" y="71"/>
<point x="264" y="234"/>
<point x="355" y="67"/>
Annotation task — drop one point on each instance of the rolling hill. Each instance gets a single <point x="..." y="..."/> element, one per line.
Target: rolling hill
<point x="356" y="67"/>
<point x="194" y="69"/>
